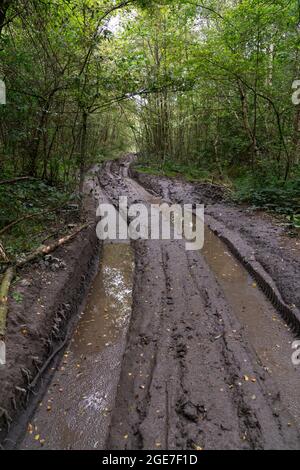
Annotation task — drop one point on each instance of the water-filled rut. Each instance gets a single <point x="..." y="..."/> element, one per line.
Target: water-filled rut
<point x="181" y="352"/>
<point x="267" y="332"/>
<point x="75" y="412"/>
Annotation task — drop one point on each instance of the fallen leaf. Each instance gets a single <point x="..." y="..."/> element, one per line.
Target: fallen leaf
<point x="196" y="447"/>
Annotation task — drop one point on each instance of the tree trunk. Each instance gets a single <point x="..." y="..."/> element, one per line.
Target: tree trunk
<point x="4" y="4"/>
<point x="82" y="162"/>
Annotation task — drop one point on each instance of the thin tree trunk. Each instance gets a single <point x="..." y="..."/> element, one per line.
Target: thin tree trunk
<point x="82" y="162"/>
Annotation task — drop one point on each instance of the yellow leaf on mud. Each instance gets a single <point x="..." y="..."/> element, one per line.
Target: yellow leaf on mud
<point x="196" y="447"/>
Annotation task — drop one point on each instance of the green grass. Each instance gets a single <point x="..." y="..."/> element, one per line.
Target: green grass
<point x="271" y="195"/>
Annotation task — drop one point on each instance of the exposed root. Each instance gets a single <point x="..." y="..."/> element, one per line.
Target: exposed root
<point x="4" y="414"/>
<point x="47" y="363"/>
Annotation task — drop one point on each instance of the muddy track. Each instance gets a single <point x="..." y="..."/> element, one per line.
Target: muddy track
<point x="182" y="383"/>
<point x="262" y="247"/>
<point x="191" y="372"/>
<point x="40" y="326"/>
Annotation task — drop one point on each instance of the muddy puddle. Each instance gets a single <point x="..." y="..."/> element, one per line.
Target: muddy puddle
<point x="75" y="412"/>
<point x="265" y="330"/>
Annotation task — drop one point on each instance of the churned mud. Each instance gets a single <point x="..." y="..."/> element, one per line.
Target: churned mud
<point x="183" y="350"/>
<point x="263" y="327"/>
<point x="278" y="254"/>
<point x="191" y="376"/>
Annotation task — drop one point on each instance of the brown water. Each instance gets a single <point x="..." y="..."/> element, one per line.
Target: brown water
<point x="75" y="413"/>
<point x="264" y="328"/>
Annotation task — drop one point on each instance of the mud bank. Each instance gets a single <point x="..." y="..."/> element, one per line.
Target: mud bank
<point x="40" y="324"/>
<point x="195" y="373"/>
<point x="254" y="237"/>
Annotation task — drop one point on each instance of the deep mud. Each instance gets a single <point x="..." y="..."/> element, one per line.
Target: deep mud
<point x="195" y="372"/>
<point x="278" y="254"/>
<point x="190" y="377"/>
<point x="40" y="322"/>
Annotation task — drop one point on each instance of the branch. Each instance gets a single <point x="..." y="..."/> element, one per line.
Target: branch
<point x="4" y="288"/>
<point x="3" y="255"/>
<point x="105" y="15"/>
<point x="45" y="250"/>
<point x="16" y="180"/>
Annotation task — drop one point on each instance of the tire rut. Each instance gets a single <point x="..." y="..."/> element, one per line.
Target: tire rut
<point x="183" y="375"/>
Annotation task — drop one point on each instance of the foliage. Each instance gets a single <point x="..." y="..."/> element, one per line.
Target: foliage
<point x="201" y="89"/>
<point x="30" y="198"/>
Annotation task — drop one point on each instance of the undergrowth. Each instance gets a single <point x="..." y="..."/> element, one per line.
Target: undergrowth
<point x="29" y="198"/>
<point x="260" y="192"/>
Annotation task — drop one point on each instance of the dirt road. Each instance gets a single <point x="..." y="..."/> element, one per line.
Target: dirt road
<point x="205" y="358"/>
<point x="190" y="376"/>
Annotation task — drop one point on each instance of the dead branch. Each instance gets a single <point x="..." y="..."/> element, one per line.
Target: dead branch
<point x="4" y="288"/>
<point x="9" y="275"/>
<point x="45" y="250"/>
<point x="16" y="180"/>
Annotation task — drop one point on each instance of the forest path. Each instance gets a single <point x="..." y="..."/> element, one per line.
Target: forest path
<point x="204" y="358"/>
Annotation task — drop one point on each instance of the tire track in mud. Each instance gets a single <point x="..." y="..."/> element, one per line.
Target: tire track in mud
<point x="182" y="384"/>
<point x="190" y="379"/>
<point x="257" y="262"/>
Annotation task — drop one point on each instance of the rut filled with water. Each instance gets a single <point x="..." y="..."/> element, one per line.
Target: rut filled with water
<point x="81" y="404"/>
<point x="266" y="331"/>
<point x="75" y="412"/>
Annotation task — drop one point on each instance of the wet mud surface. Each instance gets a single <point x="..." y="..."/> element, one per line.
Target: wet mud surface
<point x="262" y="326"/>
<point x="75" y="412"/>
<point x="192" y="377"/>
<point x="275" y="251"/>
<point x="187" y="354"/>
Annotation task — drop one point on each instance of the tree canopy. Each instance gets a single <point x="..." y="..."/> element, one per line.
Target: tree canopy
<point x="203" y="83"/>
